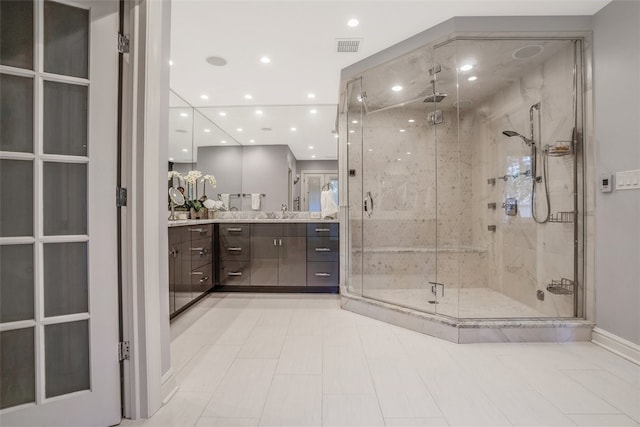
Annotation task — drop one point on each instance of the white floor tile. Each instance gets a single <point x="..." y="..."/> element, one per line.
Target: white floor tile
<point x="416" y="422"/>
<point x="226" y="422"/>
<point x="351" y="410"/>
<point x="241" y="328"/>
<point x="265" y="342"/>
<point x="244" y="389"/>
<point x="301" y="355"/>
<point x="294" y="400"/>
<point x="206" y="370"/>
<point x="401" y="392"/>
<point x="528" y="408"/>
<point x="306" y="322"/>
<point x="595" y="420"/>
<point x="345" y="371"/>
<point x="183" y="409"/>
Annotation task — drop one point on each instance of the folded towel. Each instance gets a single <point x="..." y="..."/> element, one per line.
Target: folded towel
<point x="225" y="200"/>
<point x="255" y="201"/>
<point x="327" y="204"/>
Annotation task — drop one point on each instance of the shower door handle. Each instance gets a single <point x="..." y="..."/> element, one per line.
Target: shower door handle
<point x="434" y="288"/>
<point x="368" y="207"/>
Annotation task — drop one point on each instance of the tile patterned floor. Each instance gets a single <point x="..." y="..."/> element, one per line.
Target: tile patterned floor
<point x="299" y="360"/>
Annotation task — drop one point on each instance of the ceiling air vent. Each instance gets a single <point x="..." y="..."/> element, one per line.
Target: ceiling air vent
<point x="348" y="45"/>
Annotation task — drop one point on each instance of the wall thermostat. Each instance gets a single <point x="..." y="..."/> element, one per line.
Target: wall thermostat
<point x="606" y="182"/>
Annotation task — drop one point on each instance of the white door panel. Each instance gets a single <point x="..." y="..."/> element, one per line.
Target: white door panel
<point x="60" y="238"/>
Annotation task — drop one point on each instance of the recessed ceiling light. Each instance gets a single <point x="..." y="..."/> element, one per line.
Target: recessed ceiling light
<point x="185" y="150"/>
<point x="472" y="78"/>
<point x="239" y="129"/>
<point x="402" y="130"/>
<point x="353" y="22"/>
<point x="216" y="61"/>
<point x="203" y="96"/>
<point x="399" y="159"/>
<point x="259" y="112"/>
<point x="411" y="121"/>
<point x="170" y="159"/>
<point x="170" y="63"/>
<point x="313" y="156"/>
<point x="409" y="152"/>
<point x="265" y="60"/>
<point x="222" y="114"/>
<point x="335" y="136"/>
<point x="207" y="130"/>
<point x="396" y="88"/>
<point x="311" y="95"/>
<point x="223" y="142"/>
<point x="184" y="115"/>
<point x="354" y="121"/>
<point x="293" y="129"/>
<point x="352" y="131"/>
<point x="252" y="141"/>
<point x="466" y="67"/>
<point x="311" y="147"/>
<point x="313" y="111"/>
<point x="248" y="96"/>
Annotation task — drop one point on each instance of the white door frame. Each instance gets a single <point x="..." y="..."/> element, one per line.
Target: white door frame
<point x="303" y="193"/>
<point x="149" y="380"/>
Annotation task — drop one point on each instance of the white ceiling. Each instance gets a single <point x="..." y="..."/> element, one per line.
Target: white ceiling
<point x="300" y="38"/>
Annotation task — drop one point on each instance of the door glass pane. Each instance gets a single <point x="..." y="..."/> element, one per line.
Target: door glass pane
<point x="16" y="187"/>
<point x="66" y="40"/>
<point x="65" y="278"/>
<point x="17" y="367"/>
<point x="16" y="33"/>
<point x="65" y="119"/>
<point x="16" y="113"/>
<point x="66" y="357"/>
<point x="65" y="198"/>
<point x="16" y="282"/>
<point x="314" y="182"/>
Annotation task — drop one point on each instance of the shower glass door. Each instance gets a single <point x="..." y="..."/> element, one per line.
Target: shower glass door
<point x="397" y="189"/>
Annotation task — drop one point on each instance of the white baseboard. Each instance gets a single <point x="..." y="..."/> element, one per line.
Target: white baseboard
<point x="169" y="387"/>
<point x="617" y="345"/>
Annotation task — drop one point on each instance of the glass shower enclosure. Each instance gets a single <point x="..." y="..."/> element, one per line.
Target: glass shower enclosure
<point x="465" y="186"/>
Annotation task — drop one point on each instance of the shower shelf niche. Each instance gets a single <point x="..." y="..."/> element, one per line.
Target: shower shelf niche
<point x="566" y="217"/>
<point x="561" y="287"/>
<point x="559" y="149"/>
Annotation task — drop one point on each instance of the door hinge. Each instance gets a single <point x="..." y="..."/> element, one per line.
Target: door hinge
<point x="123" y="351"/>
<point x="123" y="43"/>
<point x="121" y="197"/>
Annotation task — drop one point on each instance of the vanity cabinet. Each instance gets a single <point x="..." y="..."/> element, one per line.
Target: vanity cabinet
<point x="235" y="254"/>
<point x="278" y="254"/>
<point x="323" y="254"/>
<point x="191" y="272"/>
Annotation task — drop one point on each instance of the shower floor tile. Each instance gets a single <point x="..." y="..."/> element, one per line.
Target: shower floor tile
<point x="464" y="303"/>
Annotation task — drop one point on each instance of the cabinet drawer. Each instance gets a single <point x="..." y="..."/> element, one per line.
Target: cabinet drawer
<point x="235" y="248"/>
<point x="198" y="231"/>
<point x="175" y="235"/>
<point x="323" y="229"/>
<point x="323" y="249"/>
<point x="201" y="279"/>
<point x="236" y="230"/>
<point x="323" y="274"/>
<point x="199" y="251"/>
<point x="235" y="273"/>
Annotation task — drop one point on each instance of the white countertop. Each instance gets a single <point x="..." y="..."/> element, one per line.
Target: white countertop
<point x="181" y="222"/>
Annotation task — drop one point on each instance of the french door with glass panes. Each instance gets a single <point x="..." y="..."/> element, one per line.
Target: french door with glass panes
<point x="58" y="265"/>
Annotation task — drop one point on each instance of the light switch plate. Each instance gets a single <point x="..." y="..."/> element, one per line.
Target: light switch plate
<point x="628" y="180"/>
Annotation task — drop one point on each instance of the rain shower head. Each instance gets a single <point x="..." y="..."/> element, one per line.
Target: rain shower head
<point x="526" y="140"/>
<point x="435" y="97"/>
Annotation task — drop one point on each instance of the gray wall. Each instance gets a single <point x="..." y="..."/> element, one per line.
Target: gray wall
<point x="616" y="51"/>
<point x="225" y="163"/>
<point x="265" y="170"/>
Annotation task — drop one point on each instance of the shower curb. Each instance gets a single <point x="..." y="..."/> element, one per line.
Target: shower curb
<point x="466" y="331"/>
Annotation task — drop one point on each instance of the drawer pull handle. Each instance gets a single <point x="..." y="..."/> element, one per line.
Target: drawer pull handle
<point x="323" y="249"/>
<point x="234" y="273"/>
<point x="234" y="229"/>
<point x="325" y="230"/>
<point x="197" y="230"/>
<point x="196" y="273"/>
<point x="323" y="274"/>
<point x="234" y="249"/>
<point x="204" y="279"/>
